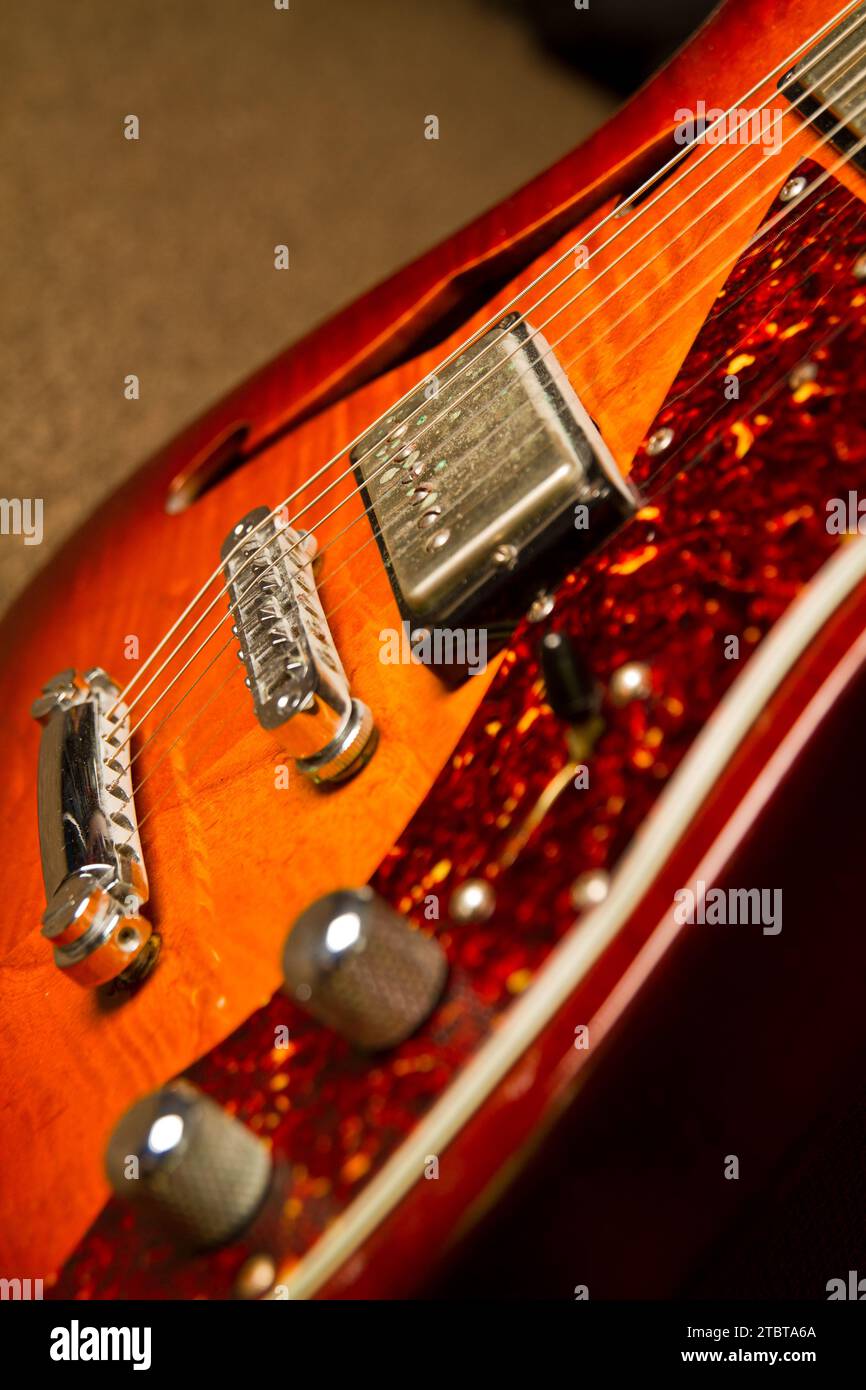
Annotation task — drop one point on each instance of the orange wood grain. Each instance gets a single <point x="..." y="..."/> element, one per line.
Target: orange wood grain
<point x="231" y="857"/>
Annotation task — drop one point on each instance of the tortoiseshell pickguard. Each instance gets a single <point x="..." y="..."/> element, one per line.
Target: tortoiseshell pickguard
<point x="734" y="526"/>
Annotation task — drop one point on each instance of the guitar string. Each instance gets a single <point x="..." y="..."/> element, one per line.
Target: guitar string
<point x="652" y="497"/>
<point x="648" y="184"/>
<point x="761" y="401"/>
<point x="632" y="347"/>
<point x="134" y="729"/>
<point x="805" y="208"/>
<point x="260" y="575"/>
<point x="766" y="227"/>
<point x="762" y="231"/>
<point x="419" y="433"/>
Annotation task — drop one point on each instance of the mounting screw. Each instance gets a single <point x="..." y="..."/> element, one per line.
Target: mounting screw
<point x="472" y="901"/>
<point x="505" y="556"/>
<point x="441" y="538"/>
<point x="659" y="441"/>
<point x="793" y="188"/>
<point x="633" y="681"/>
<point x="541" y="607"/>
<point x="802" y="374"/>
<point x="589" y="889"/>
<point x="57" y="693"/>
<point x="255" y="1277"/>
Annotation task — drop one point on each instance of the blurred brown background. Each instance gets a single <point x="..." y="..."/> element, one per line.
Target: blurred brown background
<point x="258" y="126"/>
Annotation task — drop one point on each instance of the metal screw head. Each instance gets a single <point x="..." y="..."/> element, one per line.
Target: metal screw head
<point x="633" y="681"/>
<point x="541" y="607"/>
<point x="802" y="374"/>
<point x="96" y="676"/>
<point x="255" y="1277"/>
<point x="589" y="889"/>
<point x="44" y="706"/>
<point x="70" y="899"/>
<point x="472" y="901"/>
<point x="441" y="538"/>
<point x="505" y="556"/>
<point x="57" y="693"/>
<point x="128" y="939"/>
<point x="859" y="267"/>
<point x="659" y="441"/>
<point x="140" y="968"/>
<point x="793" y="188"/>
<point x="61" y="684"/>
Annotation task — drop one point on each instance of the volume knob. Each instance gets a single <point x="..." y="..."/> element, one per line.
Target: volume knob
<point x="194" y="1168"/>
<point x="361" y="969"/>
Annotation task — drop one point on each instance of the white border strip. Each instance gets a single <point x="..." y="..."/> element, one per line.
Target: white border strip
<point x="570" y="961"/>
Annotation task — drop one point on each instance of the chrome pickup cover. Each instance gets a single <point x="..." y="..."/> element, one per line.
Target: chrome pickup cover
<point x="828" y="86"/>
<point x="92" y="863"/>
<point x="486" y="476"/>
<point x="297" y="681"/>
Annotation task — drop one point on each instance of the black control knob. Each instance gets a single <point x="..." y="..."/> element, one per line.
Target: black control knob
<point x="572" y="693"/>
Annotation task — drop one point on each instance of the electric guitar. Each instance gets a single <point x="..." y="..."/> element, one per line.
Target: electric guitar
<point x="445" y="755"/>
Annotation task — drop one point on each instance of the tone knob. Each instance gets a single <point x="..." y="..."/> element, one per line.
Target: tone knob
<point x="196" y="1170"/>
<point x="362" y="969"/>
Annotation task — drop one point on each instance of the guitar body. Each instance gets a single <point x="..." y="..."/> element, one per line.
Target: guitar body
<point x="738" y="770"/>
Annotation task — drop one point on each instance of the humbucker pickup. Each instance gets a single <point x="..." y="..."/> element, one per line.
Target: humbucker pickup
<point x="294" y="674"/>
<point x="479" y="474"/>
<point x="828" y="86"/>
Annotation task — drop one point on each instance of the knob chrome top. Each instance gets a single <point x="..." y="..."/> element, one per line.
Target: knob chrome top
<point x="360" y="968"/>
<point x="194" y="1168"/>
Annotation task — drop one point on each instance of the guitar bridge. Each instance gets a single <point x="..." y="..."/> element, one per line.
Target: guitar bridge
<point x="88" y="836"/>
<point x="294" y="674"/>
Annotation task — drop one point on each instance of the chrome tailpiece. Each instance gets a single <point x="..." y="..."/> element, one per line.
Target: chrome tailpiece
<point x="92" y="864"/>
